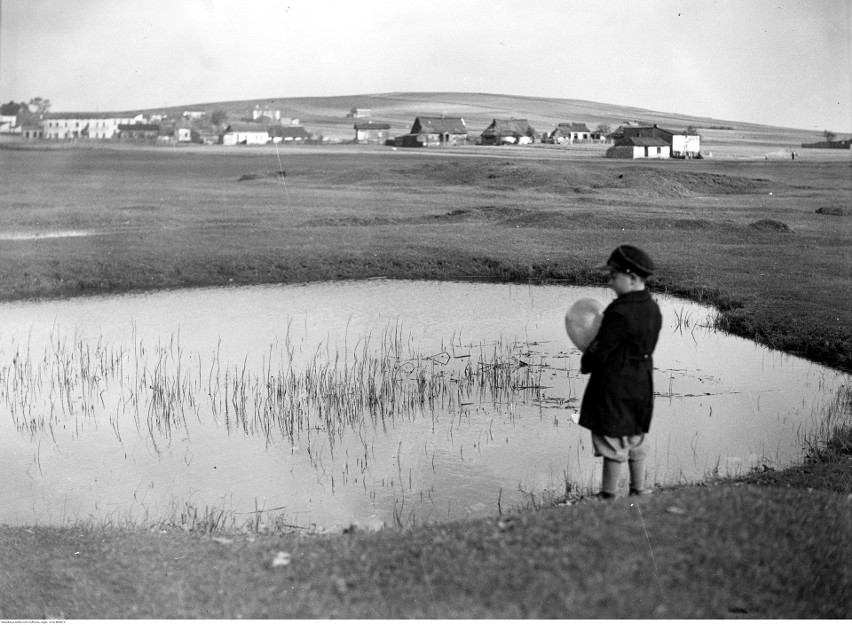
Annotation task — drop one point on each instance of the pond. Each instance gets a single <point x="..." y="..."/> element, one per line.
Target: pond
<point x="370" y="403"/>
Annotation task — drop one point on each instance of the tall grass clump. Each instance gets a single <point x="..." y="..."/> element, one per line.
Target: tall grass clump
<point x="76" y="382"/>
<point x="833" y="437"/>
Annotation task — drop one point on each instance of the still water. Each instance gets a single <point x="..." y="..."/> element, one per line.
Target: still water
<point x="368" y="403"/>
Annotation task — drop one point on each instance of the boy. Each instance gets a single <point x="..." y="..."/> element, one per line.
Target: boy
<point x="619" y="398"/>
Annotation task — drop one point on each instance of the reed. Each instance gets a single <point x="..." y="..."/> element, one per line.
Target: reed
<point x="77" y="382"/>
<point x="833" y="436"/>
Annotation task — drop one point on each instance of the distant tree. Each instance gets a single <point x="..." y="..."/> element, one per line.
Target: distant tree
<point x="11" y="108"/>
<point x="691" y="130"/>
<point x="39" y="105"/>
<point x="829" y="136"/>
<point x="604" y="129"/>
<point x="219" y="116"/>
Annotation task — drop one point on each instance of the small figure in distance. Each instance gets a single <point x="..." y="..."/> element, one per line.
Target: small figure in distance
<point x="619" y="398"/>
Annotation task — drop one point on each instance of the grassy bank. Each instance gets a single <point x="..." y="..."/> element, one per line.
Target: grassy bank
<point x="765" y="547"/>
<point x="746" y="237"/>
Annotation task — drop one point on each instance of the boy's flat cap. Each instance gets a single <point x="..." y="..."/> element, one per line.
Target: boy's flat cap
<point x="629" y="259"/>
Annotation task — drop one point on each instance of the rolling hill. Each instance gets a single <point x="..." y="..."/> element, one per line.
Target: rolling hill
<point x="329" y="115"/>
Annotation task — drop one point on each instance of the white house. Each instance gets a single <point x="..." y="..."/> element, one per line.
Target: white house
<point x="9" y="124"/>
<point x="245" y="134"/>
<point x="573" y="133"/>
<point x="267" y="113"/>
<point x="183" y="131"/>
<point x="681" y="145"/>
<point x="640" y="147"/>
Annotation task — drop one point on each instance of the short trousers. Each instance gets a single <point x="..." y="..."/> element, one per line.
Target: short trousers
<point x="620" y="448"/>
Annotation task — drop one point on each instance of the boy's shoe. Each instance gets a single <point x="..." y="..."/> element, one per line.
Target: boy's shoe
<point x="640" y="492"/>
<point x="605" y="495"/>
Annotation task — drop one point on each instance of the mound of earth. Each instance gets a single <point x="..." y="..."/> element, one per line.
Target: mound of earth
<point x="479" y="213"/>
<point x="770" y="225"/>
<point x="261" y="175"/>
<point x="586" y="179"/>
<point x="660" y="183"/>
<point x="836" y="211"/>
<point x="516" y="176"/>
<point x="497" y="214"/>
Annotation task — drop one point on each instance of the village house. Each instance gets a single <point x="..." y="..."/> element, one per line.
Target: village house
<point x="289" y="134"/>
<point x="681" y="145"/>
<point x="245" y="134"/>
<point x="356" y="113"/>
<point x="265" y="114"/>
<point x="371" y="132"/>
<point x="166" y="135"/>
<point x="9" y="124"/>
<point x="144" y="133"/>
<point x="836" y="144"/>
<point x="183" y="131"/>
<point x="573" y="133"/>
<point x="32" y="131"/>
<point x="639" y="147"/>
<point x="208" y="134"/>
<point x="508" y="132"/>
<point x="434" y="132"/>
<point x="58" y="126"/>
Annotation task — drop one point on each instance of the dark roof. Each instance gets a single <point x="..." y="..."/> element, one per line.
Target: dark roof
<point x="289" y="132"/>
<point x="642" y="141"/>
<point x="371" y="125"/>
<point x="509" y="127"/>
<point x="642" y="131"/>
<point x="246" y="127"/>
<point x="146" y="127"/>
<point x="572" y="128"/>
<point x="452" y="125"/>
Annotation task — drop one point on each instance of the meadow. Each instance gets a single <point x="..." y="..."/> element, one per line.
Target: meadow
<point x="765" y="240"/>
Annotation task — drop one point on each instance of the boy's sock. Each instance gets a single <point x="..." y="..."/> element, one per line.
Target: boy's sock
<point x="637" y="476"/>
<point x="611" y="469"/>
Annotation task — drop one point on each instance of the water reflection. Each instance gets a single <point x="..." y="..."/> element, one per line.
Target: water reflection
<point x="371" y="402"/>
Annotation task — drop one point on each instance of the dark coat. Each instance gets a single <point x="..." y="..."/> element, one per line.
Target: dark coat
<point x="619" y="398"/>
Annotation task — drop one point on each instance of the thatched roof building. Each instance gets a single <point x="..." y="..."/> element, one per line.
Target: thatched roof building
<point x="435" y="131"/>
<point x="508" y="131"/>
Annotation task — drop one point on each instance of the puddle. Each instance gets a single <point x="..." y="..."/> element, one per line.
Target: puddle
<point x="34" y="236"/>
<point x="377" y="402"/>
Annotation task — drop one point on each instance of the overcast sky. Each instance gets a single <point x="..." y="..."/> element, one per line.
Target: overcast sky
<point x="779" y="62"/>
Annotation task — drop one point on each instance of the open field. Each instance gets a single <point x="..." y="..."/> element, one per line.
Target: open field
<point x="741" y="232"/>
<point x="94" y="220"/>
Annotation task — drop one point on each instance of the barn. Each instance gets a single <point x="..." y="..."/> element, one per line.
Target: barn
<point x="371" y="132"/>
<point x="508" y="132"/>
<point x="435" y="132"/>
